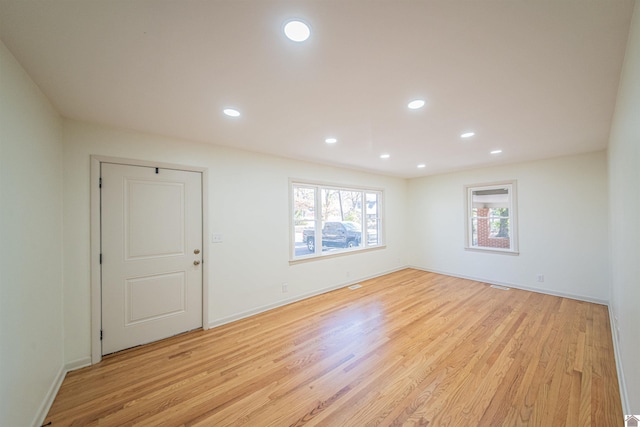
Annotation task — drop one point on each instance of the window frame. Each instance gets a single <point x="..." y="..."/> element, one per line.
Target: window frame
<point x="318" y="214"/>
<point x="511" y="186"/>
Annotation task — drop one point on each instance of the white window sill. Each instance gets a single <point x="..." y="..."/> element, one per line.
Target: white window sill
<point x="334" y="255"/>
<point x="493" y="250"/>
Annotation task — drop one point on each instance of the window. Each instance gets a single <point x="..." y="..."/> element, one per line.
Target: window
<point x="491" y="217"/>
<point x="329" y="220"/>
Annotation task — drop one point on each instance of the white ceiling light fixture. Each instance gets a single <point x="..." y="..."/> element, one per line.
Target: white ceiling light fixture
<point x="415" y="104"/>
<point x="231" y="112"/>
<point x="494" y="152"/>
<point x="385" y="156"/>
<point x="422" y="166"/>
<point x="331" y="140"/>
<point x="297" y="30"/>
<point x="467" y="135"/>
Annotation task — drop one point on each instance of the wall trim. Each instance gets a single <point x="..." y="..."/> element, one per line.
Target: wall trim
<point x="624" y="397"/>
<point x="43" y="410"/>
<point x="77" y="364"/>
<point x="282" y="303"/>
<point x="516" y="286"/>
<point x="45" y="406"/>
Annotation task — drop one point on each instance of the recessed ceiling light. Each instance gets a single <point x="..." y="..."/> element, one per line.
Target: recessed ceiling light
<point x="385" y="156"/>
<point x="496" y="152"/>
<point x="422" y="166"/>
<point x="231" y="112"/>
<point x="331" y="140"/>
<point x="467" y="135"/>
<point x="297" y="30"/>
<point x="415" y="104"/>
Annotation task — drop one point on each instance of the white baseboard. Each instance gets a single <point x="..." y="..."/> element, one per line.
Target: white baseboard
<point x="281" y="303"/>
<point x="624" y="397"/>
<point x="262" y="309"/>
<point x="43" y="410"/>
<point x="517" y="286"/>
<point x="83" y="362"/>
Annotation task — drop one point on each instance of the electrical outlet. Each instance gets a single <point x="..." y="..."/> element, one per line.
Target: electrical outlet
<point x="216" y="237"/>
<point x="285" y="288"/>
<point x="540" y="278"/>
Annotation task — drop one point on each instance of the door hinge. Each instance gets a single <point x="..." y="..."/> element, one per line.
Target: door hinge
<point x="100" y="334"/>
<point x="100" y="183"/>
<point x="100" y="258"/>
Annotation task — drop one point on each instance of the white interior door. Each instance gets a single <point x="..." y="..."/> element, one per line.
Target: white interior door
<point x="151" y="233"/>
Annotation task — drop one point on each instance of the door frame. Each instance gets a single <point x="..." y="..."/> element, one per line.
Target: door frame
<point x="96" y="243"/>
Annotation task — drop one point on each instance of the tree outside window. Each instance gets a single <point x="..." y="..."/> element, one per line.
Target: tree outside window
<point x="328" y="220"/>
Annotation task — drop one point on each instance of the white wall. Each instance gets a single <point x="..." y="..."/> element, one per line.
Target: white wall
<point x="624" y="190"/>
<point x="248" y="204"/>
<point x="562" y="213"/>
<point x="31" y="334"/>
<point x="44" y="326"/>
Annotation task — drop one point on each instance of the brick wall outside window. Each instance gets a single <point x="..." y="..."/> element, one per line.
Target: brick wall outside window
<point x="484" y="232"/>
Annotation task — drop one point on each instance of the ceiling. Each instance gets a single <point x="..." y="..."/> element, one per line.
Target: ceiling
<point x="535" y="79"/>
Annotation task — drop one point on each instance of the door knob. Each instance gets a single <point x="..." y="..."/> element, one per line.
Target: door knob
<point x="196" y="251"/>
<point x="196" y="262"/>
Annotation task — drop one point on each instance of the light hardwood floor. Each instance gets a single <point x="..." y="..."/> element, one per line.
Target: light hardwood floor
<point x="409" y="348"/>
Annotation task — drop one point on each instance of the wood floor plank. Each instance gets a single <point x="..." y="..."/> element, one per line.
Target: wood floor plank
<point x="410" y="348"/>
